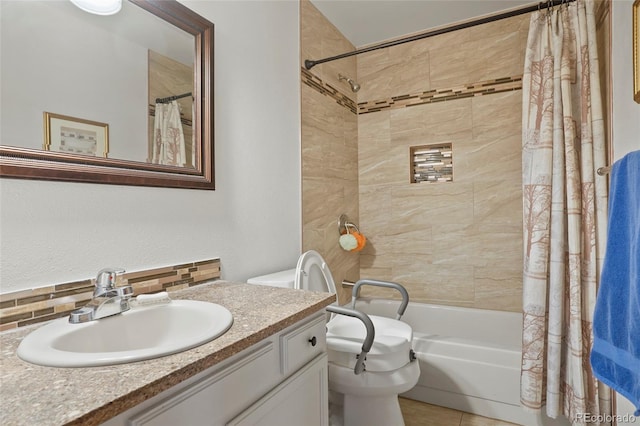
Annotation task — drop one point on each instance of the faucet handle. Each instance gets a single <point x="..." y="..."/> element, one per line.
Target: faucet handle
<point x="106" y="280"/>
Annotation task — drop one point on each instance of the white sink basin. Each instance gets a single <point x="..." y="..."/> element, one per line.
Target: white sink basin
<point x="137" y="334"/>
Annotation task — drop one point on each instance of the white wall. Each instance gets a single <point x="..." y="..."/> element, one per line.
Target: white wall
<point x="53" y="232"/>
<point x="626" y="113"/>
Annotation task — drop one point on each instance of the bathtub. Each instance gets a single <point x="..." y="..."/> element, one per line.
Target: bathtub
<point x="469" y="358"/>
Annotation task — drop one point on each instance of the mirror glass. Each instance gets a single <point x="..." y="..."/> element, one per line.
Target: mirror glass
<point x="109" y="99"/>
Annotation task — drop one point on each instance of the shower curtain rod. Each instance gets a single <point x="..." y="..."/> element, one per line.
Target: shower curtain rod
<point x="309" y="63"/>
<point x="171" y="98"/>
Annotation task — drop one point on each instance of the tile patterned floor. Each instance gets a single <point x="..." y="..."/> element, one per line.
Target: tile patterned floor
<point x="417" y="413"/>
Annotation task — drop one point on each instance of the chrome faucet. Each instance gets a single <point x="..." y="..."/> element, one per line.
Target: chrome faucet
<point x="107" y="298"/>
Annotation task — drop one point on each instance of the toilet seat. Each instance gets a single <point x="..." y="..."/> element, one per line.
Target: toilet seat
<point x="388" y="353"/>
<point x="349" y="326"/>
<point x="391" y="345"/>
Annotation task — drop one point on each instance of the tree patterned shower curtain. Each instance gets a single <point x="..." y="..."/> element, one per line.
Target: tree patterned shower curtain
<point x="168" y="138"/>
<point x="565" y="208"/>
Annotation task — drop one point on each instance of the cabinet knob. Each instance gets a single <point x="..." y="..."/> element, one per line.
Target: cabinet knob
<point x="313" y="341"/>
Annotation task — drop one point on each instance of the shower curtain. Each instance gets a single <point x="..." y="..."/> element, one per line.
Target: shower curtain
<point x="168" y="140"/>
<point x="564" y="217"/>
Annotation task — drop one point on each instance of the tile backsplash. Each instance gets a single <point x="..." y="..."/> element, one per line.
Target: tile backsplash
<point x="27" y="307"/>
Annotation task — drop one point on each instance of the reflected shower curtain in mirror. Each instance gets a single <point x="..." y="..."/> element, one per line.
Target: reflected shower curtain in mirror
<point x="168" y="138"/>
<point x="564" y="217"/>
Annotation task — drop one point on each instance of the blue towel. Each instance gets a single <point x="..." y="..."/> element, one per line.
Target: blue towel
<point x="615" y="357"/>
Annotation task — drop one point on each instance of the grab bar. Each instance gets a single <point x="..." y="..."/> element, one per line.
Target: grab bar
<point x="368" y="340"/>
<point x="377" y="283"/>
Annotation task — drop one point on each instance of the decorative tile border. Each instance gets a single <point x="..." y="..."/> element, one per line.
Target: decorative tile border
<point x="326" y="89"/>
<point x="488" y="87"/>
<point x="481" y="88"/>
<point x="27" y="307"/>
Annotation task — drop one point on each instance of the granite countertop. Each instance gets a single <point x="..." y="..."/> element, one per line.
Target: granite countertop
<point x="35" y="395"/>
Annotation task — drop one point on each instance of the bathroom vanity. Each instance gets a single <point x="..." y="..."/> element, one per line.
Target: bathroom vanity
<point x="269" y="368"/>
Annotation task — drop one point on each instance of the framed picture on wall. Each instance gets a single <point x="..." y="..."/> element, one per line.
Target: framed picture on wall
<point x="73" y="135"/>
<point x="636" y="51"/>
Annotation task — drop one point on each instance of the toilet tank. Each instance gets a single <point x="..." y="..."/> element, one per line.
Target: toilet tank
<point x="284" y="279"/>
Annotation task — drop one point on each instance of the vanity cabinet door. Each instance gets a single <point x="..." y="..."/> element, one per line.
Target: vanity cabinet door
<point x="302" y="399"/>
<point x="283" y="380"/>
<point x="214" y="399"/>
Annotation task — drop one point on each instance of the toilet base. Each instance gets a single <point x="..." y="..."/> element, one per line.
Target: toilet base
<point x="370" y="398"/>
<point x="372" y="411"/>
<point x="364" y="411"/>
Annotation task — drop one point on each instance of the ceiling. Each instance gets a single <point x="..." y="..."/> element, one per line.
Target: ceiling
<point x="365" y="22"/>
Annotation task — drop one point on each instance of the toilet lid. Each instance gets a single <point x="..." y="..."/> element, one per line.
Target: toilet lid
<point x="313" y="273"/>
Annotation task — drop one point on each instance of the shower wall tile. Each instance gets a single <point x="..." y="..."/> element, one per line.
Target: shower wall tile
<point x="409" y="68"/>
<point x="489" y="56"/>
<point x="457" y="242"/>
<point x="373" y="75"/>
<point x="453" y="243"/>
<point x="320" y="39"/>
<point x="516" y="24"/>
<point x="448" y="284"/>
<point x="496" y="142"/>
<point x="418" y="204"/>
<point x="377" y="220"/>
<point x="498" y="202"/>
<point x="490" y="246"/>
<point x="320" y="197"/>
<point x="312" y="25"/>
<point x="482" y="52"/>
<point x="387" y="72"/>
<point x="374" y="137"/>
<point x="446" y="118"/>
<point x="329" y="144"/>
<point x="498" y="291"/>
<point x="507" y="106"/>
<point x="406" y="125"/>
<point x="496" y="151"/>
<point x="369" y="269"/>
<point x="413" y="243"/>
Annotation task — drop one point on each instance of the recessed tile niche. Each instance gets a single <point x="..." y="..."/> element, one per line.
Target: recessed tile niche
<point x="431" y="163"/>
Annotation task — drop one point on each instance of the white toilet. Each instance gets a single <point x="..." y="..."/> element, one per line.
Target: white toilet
<point x="366" y="391"/>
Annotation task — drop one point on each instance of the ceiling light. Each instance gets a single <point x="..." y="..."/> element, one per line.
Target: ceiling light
<point x="99" y="7"/>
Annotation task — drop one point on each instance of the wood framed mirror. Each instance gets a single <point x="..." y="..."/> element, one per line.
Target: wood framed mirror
<point x="30" y="146"/>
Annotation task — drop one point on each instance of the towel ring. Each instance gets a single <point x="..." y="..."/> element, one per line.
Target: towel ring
<point x="344" y="224"/>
